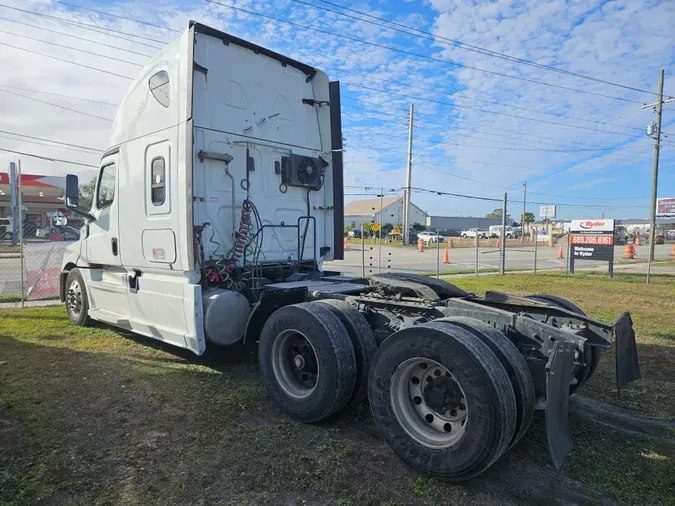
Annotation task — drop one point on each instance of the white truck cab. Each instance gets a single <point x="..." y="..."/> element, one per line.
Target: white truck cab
<point x="213" y="134"/>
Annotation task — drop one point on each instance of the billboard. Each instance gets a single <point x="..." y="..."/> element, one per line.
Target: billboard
<point x="546" y="212"/>
<point x="592" y="240"/>
<point x="665" y="207"/>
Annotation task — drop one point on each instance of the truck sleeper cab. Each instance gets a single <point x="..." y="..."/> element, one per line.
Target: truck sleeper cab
<point x="216" y="205"/>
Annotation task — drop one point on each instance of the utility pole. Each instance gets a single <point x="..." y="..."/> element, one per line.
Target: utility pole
<point x="522" y="225"/>
<point x="408" y="179"/>
<point x="655" y="173"/>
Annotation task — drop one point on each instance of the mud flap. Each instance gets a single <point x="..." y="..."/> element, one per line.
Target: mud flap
<point x="627" y="366"/>
<point x="559" y="372"/>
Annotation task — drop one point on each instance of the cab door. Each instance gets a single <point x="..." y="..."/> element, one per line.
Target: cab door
<point x="106" y="278"/>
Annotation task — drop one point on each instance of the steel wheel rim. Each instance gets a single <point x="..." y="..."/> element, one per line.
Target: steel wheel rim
<point x="74" y="298"/>
<point x="419" y="389"/>
<point x="294" y="364"/>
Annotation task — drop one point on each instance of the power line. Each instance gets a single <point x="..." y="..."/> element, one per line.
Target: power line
<point x="417" y="55"/>
<point x="72" y="48"/>
<point x="50" y="140"/>
<point x="423" y="99"/>
<point x="94" y="28"/>
<point x="462" y="45"/>
<point x="115" y="16"/>
<point x="436" y="131"/>
<point x="474" y="197"/>
<point x="56" y="105"/>
<point x="431" y="122"/>
<point x="454" y="97"/>
<point x="58" y="95"/>
<point x="65" y="61"/>
<point x="45" y="144"/>
<point x="508" y="148"/>
<point x="76" y="37"/>
<point x="22" y="153"/>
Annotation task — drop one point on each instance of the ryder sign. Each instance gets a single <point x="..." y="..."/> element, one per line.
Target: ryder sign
<point x="592" y="240"/>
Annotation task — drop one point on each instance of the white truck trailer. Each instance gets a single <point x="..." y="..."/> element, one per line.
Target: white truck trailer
<point x="216" y="204"/>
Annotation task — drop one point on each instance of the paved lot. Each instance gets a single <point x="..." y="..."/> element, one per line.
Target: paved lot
<point x="397" y="259"/>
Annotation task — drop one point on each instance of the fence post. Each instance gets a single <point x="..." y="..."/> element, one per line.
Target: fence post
<point x="363" y="252"/>
<point x="502" y="252"/>
<point x="535" y="253"/>
<point x="569" y="250"/>
<point x="21" y="238"/>
<point x="379" y="235"/>
<point x="476" y="252"/>
<point x="438" y="258"/>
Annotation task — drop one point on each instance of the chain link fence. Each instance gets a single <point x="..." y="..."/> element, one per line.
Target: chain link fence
<point x="601" y="247"/>
<point x="30" y="258"/>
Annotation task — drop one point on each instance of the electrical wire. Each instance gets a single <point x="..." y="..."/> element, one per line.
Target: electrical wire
<point x="462" y="45"/>
<point x="72" y="48"/>
<point x="55" y="105"/>
<point x="417" y="55"/>
<point x="455" y="97"/>
<point x="114" y="16"/>
<point x="487" y="111"/>
<point x="49" y="159"/>
<point x="94" y="28"/>
<point x="64" y="145"/>
<point x="76" y="37"/>
<point x="65" y="61"/>
<point x="58" y="95"/>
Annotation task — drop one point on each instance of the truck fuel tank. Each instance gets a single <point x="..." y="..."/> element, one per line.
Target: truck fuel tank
<point x="225" y="316"/>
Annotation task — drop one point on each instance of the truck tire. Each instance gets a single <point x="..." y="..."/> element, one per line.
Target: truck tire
<point x="77" y="302"/>
<point x="307" y="361"/>
<point x="424" y="384"/>
<point x="514" y="364"/>
<point x="591" y="353"/>
<point x="363" y="342"/>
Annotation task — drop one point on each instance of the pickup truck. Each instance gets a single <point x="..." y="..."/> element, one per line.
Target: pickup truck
<point x="474" y="232"/>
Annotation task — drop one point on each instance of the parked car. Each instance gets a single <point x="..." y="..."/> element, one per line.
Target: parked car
<point x="670" y="235"/>
<point x="428" y="237"/>
<point x="449" y="232"/>
<point x="354" y="233"/>
<point x="496" y="231"/>
<point x="474" y="232"/>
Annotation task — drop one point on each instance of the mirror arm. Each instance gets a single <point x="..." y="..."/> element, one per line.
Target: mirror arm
<point x="79" y="211"/>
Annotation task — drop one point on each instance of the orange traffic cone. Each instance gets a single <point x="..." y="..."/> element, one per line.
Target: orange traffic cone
<point x="628" y="252"/>
<point x="420" y="245"/>
<point x="638" y="241"/>
<point x="560" y="253"/>
<point x="673" y="253"/>
<point x="499" y="241"/>
<point x="450" y="244"/>
<point x="345" y="244"/>
<point x="446" y="256"/>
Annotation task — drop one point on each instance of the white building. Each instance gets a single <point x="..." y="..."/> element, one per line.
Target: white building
<point x="368" y="211"/>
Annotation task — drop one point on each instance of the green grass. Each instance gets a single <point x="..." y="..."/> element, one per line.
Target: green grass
<point x="97" y="416"/>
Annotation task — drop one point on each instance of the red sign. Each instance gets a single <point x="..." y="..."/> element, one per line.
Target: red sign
<point x="44" y="284"/>
<point x="604" y="240"/>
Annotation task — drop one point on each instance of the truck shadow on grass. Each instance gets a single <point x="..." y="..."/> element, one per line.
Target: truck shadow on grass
<point x="143" y="423"/>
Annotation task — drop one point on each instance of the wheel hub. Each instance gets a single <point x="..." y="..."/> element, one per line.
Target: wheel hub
<point x="299" y="362"/>
<point x="442" y="394"/>
<point x="429" y="403"/>
<point x="295" y="364"/>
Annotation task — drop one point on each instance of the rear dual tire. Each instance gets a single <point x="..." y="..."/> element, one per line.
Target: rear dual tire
<point x="465" y="373"/>
<point x="314" y="358"/>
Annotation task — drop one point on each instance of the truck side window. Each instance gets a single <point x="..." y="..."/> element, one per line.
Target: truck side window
<point x="157" y="183"/>
<point x="106" y="187"/>
<point x="159" y="87"/>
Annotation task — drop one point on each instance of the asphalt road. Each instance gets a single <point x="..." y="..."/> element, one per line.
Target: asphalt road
<point x="397" y="259"/>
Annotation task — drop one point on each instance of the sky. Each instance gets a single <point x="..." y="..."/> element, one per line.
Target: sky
<point x="547" y="91"/>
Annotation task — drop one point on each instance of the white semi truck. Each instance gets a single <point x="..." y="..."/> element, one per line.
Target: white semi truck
<point x="217" y="203"/>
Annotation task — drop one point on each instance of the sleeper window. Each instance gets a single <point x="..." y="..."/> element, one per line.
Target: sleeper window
<point x="106" y="187"/>
<point x="159" y="87"/>
<point x="158" y="184"/>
